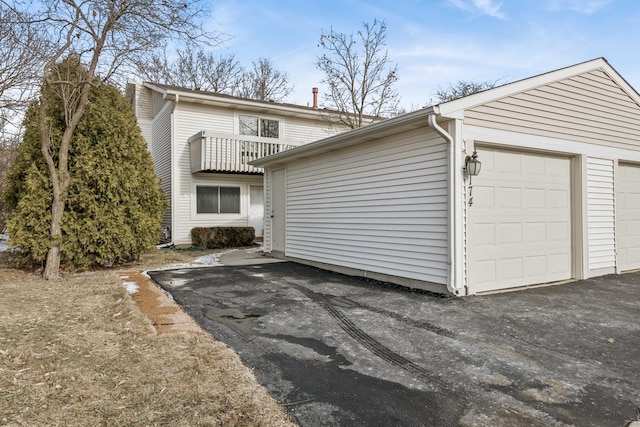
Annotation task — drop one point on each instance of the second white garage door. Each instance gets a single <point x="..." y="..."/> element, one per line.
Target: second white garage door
<point x="628" y="213"/>
<point x="520" y="221"/>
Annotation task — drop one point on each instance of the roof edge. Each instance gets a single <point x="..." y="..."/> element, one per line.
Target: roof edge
<point x="455" y="108"/>
<point x="346" y="139"/>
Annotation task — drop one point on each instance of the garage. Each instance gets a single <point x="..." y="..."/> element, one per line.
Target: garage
<point x="520" y="221"/>
<point x="560" y="164"/>
<point x="628" y="213"/>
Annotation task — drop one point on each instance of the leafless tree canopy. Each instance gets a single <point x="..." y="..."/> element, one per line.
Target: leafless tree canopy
<point x="20" y="66"/>
<point x="194" y="68"/>
<point x="359" y="74"/>
<point x="461" y="89"/>
<point x="264" y="83"/>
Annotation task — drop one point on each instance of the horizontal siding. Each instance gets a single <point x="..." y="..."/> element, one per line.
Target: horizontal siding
<point x="192" y="118"/>
<point x="189" y="120"/>
<point x="268" y="208"/>
<point x="161" y="154"/>
<point x="589" y="108"/>
<point x="380" y="207"/>
<point x="300" y="131"/>
<point x="600" y="213"/>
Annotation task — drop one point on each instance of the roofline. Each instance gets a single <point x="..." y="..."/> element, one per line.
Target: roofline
<point x="347" y="139"/>
<point x="455" y="108"/>
<point x="173" y="94"/>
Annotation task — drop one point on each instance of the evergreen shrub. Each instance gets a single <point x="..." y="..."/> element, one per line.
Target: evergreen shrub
<point x="222" y="237"/>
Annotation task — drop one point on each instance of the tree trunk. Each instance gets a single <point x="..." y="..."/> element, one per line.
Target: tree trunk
<point x="52" y="266"/>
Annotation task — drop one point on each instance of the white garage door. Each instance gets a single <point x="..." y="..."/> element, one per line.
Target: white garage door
<point x="520" y="221"/>
<point x="628" y="215"/>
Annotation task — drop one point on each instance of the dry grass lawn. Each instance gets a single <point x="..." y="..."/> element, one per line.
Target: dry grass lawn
<point x="78" y="352"/>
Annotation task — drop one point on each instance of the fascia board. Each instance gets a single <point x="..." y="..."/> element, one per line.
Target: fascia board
<point x="346" y="139"/>
<point x="241" y="103"/>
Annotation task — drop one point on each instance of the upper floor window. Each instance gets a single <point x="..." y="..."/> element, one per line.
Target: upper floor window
<point x="257" y="126"/>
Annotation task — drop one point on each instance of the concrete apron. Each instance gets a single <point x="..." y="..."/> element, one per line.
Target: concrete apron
<point x="337" y="350"/>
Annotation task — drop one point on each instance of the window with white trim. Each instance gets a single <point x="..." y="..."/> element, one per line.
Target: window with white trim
<point x="217" y="199"/>
<point x="257" y="126"/>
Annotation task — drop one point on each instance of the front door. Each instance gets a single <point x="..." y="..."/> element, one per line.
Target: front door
<point x="278" y="190"/>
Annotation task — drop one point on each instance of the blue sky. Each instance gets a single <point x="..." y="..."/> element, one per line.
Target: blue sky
<point x="435" y="42"/>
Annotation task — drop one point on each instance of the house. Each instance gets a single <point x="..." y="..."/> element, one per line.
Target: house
<point x="557" y="197"/>
<point x="201" y="143"/>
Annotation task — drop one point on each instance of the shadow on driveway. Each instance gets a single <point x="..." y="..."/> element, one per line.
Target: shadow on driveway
<point x="339" y="350"/>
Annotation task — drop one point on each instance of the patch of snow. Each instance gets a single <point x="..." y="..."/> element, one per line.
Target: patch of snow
<point x="212" y="260"/>
<point x="258" y="275"/>
<point x="209" y="260"/>
<point x="131" y="287"/>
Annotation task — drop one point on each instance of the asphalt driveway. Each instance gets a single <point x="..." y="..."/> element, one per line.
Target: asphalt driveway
<point x="337" y="350"/>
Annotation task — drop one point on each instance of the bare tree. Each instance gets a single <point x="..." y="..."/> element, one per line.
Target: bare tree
<point x="359" y="74"/>
<point x="194" y="68"/>
<point x="20" y="63"/>
<point x="7" y="154"/>
<point x="105" y="36"/>
<point x="462" y="88"/>
<point x="264" y="83"/>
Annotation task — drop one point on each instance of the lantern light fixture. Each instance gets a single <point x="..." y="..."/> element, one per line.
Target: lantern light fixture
<point x="472" y="164"/>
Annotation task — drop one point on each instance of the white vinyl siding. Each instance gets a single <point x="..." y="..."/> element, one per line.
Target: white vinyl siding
<point x="302" y="131"/>
<point x="161" y="154"/>
<point x="600" y="214"/>
<point x="379" y="206"/>
<point x="588" y="108"/>
<point x="190" y="119"/>
<point x="628" y="216"/>
<point x="268" y="208"/>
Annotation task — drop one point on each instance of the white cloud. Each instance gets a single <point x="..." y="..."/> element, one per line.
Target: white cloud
<point x="586" y="7"/>
<point x="486" y="7"/>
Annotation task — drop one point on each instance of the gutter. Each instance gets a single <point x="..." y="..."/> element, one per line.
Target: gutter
<point x="453" y="233"/>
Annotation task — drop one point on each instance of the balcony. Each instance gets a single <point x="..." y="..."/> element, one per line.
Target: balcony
<point x="216" y="152"/>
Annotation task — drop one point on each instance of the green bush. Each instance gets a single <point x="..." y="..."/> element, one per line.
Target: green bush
<point x="222" y="237"/>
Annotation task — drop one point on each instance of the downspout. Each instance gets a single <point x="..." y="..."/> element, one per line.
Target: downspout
<point x="453" y="279"/>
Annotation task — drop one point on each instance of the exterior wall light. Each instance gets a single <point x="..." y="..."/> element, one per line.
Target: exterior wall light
<point x="472" y="167"/>
<point x="472" y="164"/>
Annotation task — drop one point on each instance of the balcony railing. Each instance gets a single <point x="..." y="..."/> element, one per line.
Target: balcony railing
<point x="215" y="152"/>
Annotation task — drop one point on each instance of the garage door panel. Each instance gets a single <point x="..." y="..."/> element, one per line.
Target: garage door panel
<point x="535" y="267"/>
<point x="558" y="199"/>
<point x="510" y="269"/>
<point x="509" y="233"/>
<point x="520" y="221"/>
<point x="558" y="264"/>
<point x="508" y="198"/>
<point x="484" y="197"/>
<point x="535" y="198"/>
<point x="486" y="272"/>
<point x="535" y="232"/>
<point x="628" y="217"/>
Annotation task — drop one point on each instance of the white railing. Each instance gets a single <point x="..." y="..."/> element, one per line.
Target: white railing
<point x="215" y="152"/>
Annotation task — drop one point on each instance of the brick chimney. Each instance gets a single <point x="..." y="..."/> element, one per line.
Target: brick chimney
<point x="315" y="98"/>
